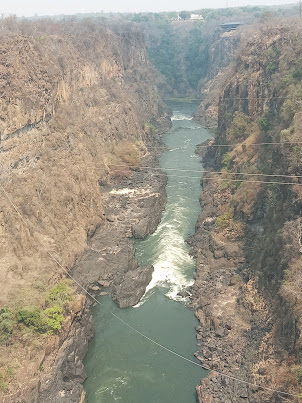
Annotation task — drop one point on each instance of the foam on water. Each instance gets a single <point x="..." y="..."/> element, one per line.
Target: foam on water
<point x="121" y="365"/>
<point x="180" y="116"/>
<point x="173" y="266"/>
<point x="172" y="259"/>
<point x="114" y="384"/>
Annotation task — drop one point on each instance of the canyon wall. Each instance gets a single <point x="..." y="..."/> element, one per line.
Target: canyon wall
<point x="78" y="105"/>
<point x="223" y="49"/>
<point x="247" y="293"/>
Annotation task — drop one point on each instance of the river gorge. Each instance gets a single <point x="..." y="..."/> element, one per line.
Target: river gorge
<point x="122" y="365"/>
<point x="124" y="258"/>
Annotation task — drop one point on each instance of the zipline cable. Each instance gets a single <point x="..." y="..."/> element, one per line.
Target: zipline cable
<point x="199" y="365"/>
<point x="131" y="327"/>
<point x="233" y="145"/>
<point x="42" y="245"/>
<point x="237" y="180"/>
<point x="231" y="180"/>
<point x="202" y="172"/>
<point x="204" y="178"/>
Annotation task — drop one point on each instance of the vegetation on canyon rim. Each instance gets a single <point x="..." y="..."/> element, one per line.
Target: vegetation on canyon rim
<point x="24" y="323"/>
<point x="48" y="318"/>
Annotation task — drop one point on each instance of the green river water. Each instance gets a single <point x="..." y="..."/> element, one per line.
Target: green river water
<point x="122" y="365"/>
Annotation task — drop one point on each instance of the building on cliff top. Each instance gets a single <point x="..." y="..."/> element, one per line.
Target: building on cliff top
<point x="230" y="26"/>
<point x="196" y="17"/>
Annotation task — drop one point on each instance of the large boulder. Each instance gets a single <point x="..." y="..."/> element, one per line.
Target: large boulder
<point x="132" y="287"/>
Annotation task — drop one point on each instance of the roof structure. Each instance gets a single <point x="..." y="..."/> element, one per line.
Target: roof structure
<point x="230" y="26"/>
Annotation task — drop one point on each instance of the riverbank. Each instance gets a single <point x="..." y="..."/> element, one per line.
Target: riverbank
<point x="121" y="365"/>
<point x="65" y="130"/>
<point x="235" y="322"/>
<point x="134" y="206"/>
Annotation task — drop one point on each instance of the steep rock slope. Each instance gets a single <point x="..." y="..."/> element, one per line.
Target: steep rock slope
<point x="223" y="50"/>
<point x="247" y="293"/>
<point x="78" y="105"/>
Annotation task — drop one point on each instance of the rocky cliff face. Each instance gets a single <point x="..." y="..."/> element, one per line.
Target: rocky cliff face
<point x="222" y="51"/>
<point x="224" y="47"/>
<point x="247" y="239"/>
<point x="78" y="106"/>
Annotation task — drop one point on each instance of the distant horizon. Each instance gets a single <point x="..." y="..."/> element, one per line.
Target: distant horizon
<point x="68" y="7"/>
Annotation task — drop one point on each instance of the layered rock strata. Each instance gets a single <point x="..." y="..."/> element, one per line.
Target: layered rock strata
<point x="78" y="106"/>
<point x="247" y="293"/>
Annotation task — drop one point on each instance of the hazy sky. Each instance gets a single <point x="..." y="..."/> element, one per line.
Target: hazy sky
<point x="53" y="7"/>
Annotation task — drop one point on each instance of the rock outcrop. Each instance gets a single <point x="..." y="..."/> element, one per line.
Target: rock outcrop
<point x="132" y="286"/>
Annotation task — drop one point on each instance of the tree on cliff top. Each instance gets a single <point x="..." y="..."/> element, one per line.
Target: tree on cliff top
<point x="185" y="15"/>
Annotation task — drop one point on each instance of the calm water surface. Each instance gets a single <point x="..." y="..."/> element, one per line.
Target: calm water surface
<point x="122" y="365"/>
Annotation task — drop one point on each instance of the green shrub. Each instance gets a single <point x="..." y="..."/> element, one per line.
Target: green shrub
<point x="10" y="371"/>
<point x="285" y="134"/>
<point x="54" y="318"/>
<point x="60" y="295"/>
<point x="273" y="59"/>
<point x="3" y="385"/>
<point x="272" y="67"/>
<point x="32" y="318"/>
<point x="6" y="324"/>
<point x="49" y="320"/>
<point x="266" y="121"/>
<point x="287" y="81"/>
<point x="264" y="124"/>
<point x="225" y="220"/>
<point x="287" y="112"/>
<point x="297" y="73"/>
<point x="227" y="161"/>
<point x="239" y="127"/>
<point x="225" y="185"/>
<point x="150" y="128"/>
<point x="6" y="374"/>
<point x="298" y="374"/>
